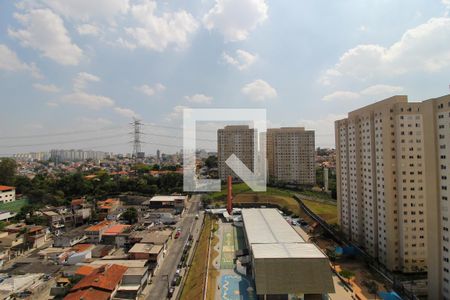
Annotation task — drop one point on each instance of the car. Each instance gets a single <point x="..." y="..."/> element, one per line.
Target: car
<point x="196" y="216"/>
<point x="177" y="235"/>
<point x="170" y="292"/>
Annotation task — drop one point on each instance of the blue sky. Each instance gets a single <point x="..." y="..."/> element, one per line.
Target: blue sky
<point x="85" y="68"/>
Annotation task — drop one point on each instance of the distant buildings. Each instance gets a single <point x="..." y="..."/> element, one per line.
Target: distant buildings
<point x="393" y="186"/>
<point x="290" y="152"/>
<point x="238" y="140"/>
<point x="291" y="155"/>
<point x="7" y="194"/>
<point x="76" y="155"/>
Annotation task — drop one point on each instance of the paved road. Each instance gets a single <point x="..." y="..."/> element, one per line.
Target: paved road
<point x="158" y="289"/>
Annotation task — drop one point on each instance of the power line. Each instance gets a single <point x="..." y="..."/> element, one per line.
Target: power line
<point x="58" y="133"/>
<point x="63" y="142"/>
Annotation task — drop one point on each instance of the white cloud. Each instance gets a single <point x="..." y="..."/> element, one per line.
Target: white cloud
<point x="424" y="48"/>
<point x="44" y="30"/>
<point x="126" y="112"/>
<point x="236" y="18"/>
<point x="10" y="62"/>
<point x="199" y="98"/>
<point x="242" y="60"/>
<point x="88" y="100"/>
<point x="48" y="88"/>
<point x="85" y="10"/>
<point x="125" y="44"/>
<point x="151" y="90"/>
<point x="446" y="3"/>
<point x="382" y="89"/>
<point x="176" y="114"/>
<point x="377" y="90"/>
<point x="80" y="82"/>
<point x="159" y="32"/>
<point x="88" y="29"/>
<point x="259" y="90"/>
<point x="341" y="96"/>
<point x="323" y="127"/>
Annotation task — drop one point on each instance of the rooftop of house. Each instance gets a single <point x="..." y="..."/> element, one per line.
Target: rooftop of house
<point x="141" y="248"/>
<point x="116" y="229"/>
<point x="85" y="270"/>
<point x="82" y="247"/>
<point x="77" y="201"/>
<point x="5" y="188"/>
<point x="99" y="226"/>
<point x="158" y="237"/>
<point x="106" y="278"/>
<point x="88" y="294"/>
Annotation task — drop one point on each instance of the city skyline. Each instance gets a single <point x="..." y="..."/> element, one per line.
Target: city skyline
<point x="76" y="66"/>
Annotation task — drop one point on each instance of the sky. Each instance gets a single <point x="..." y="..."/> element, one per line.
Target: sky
<point x="74" y="73"/>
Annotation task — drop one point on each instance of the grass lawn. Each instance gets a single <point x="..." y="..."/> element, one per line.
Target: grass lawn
<point x="239" y="188"/>
<point x="193" y="287"/>
<point x="14" y="206"/>
<point x="282" y="201"/>
<point x="326" y="211"/>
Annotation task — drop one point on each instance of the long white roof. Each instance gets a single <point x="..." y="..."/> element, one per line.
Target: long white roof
<point x="292" y="250"/>
<point x="267" y="226"/>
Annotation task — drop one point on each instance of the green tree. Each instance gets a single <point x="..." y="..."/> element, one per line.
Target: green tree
<point x="211" y="162"/>
<point x="8" y="168"/>
<point x="130" y="215"/>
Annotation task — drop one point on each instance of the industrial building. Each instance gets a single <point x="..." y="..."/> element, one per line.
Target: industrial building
<point x="283" y="264"/>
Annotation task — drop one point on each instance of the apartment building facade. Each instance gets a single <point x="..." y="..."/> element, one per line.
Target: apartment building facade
<point x="291" y="155"/>
<point x="239" y="140"/>
<point x="392" y="185"/>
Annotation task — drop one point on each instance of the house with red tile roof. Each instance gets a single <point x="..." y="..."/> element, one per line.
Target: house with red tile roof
<point x="95" y="232"/>
<point x="101" y="283"/>
<point x="107" y="207"/>
<point x="7" y="194"/>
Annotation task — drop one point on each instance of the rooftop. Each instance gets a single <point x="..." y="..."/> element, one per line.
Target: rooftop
<point x="116" y="229"/>
<point x="89" y="294"/>
<point x="156" y="237"/>
<point x="291" y="250"/>
<point x="105" y="278"/>
<point x="136" y="263"/>
<point x="99" y="226"/>
<point x="5" y="188"/>
<point x="267" y="226"/>
<point x="141" y="248"/>
<point x="167" y="198"/>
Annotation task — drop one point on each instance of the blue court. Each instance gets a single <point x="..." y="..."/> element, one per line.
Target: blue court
<point x="235" y="287"/>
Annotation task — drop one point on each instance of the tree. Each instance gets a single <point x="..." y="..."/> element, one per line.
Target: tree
<point x="130" y="215"/>
<point x="8" y="168"/>
<point x="211" y="162"/>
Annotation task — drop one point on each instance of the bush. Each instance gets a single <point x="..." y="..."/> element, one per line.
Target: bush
<point x="347" y="274"/>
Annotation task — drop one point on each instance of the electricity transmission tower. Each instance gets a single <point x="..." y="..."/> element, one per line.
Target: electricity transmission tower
<point x="137" y="150"/>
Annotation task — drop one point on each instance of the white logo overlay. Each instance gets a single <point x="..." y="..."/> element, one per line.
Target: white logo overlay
<point x="256" y="180"/>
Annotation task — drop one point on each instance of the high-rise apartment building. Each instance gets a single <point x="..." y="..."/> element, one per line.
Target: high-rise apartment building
<point x="291" y="155"/>
<point x="392" y="164"/>
<point x="239" y="140"/>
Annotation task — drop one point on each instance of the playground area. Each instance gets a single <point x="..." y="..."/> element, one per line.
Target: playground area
<point x="231" y="285"/>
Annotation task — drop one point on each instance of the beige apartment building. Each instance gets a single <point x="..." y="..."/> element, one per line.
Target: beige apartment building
<point x="238" y="140"/>
<point x="291" y="155"/>
<point x="392" y="193"/>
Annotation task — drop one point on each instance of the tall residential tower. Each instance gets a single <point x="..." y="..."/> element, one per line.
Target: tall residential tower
<point x="392" y="194"/>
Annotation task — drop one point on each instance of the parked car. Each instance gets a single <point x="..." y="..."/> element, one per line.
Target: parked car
<point x="170" y="292"/>
<point x="177" y="235"/>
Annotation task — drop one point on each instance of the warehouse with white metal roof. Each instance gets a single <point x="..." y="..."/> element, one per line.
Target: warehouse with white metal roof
<point x="284" y="265"/>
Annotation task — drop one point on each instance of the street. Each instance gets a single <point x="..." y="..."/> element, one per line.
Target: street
<point x="164" y="275"/>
